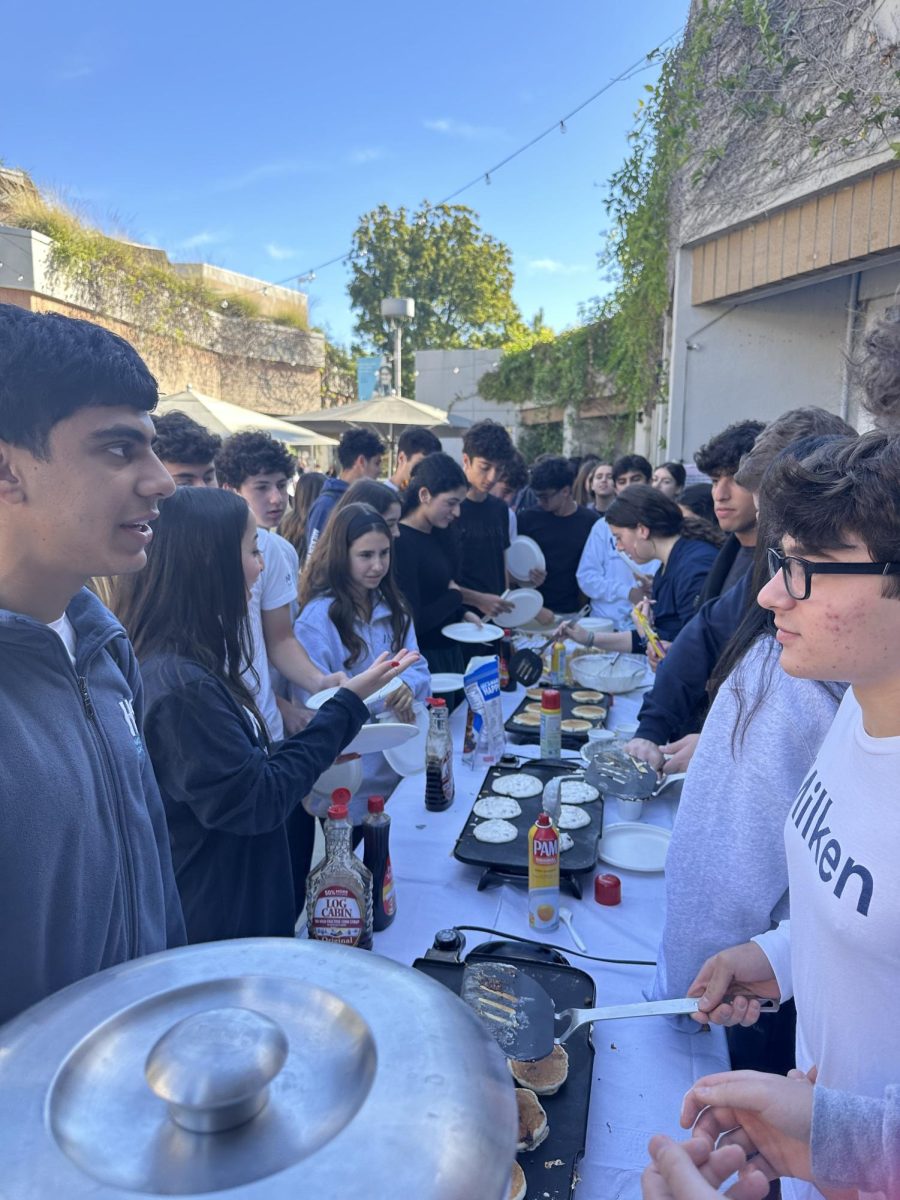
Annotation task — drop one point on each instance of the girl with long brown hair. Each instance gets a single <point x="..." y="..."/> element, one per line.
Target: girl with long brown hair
<point x="350" y="612"/>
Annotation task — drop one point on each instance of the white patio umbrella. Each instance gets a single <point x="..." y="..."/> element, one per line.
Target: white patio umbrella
<point x="218" y="416"/>
<point x="384" y="414"/>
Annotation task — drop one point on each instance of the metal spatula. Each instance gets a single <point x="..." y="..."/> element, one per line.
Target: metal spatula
<point x="521" y="1017"/>
<point x="527" y="666"/>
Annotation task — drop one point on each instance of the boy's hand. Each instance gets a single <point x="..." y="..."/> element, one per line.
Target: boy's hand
<point x="693" y="1171"/>
<point x="764" y="1114"/>
<point x="742" y="969"/>
<point x="680" y="753"/>
<point x="646" y="751"/>
<point x="491" y="605"/>
<point x="385" y="668"/>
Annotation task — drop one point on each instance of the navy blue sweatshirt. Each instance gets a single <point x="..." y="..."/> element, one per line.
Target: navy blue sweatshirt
<point x="86" y="876"/>
<point x="670" y="709"/>
<point x="331" y="492"/>
<point x="677" y="586"/>
<point x="228" y="800"/>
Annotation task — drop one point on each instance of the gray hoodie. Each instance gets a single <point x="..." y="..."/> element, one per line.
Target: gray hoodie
<point x="726" y="874"/>
<point x="86" y="875"/>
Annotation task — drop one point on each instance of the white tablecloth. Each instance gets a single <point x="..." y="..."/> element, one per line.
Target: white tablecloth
<point x="642" y="1066"/>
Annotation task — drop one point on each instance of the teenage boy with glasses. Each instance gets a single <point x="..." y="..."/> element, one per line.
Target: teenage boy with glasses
<point x="835" y="597"/>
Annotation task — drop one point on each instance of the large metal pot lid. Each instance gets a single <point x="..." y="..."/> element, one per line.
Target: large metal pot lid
<point x="254" y="1068"/>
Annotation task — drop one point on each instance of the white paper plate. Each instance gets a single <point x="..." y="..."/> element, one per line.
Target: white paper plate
<point x="409" y="757"/>
<point x="524" y="555"/>
<point x="316" y="701"/>
<point x="347" y="775"/>
<point x="465" y="631"/>
<point x="445" y="682"/>
<point x="380" y="736"/>
<point x="635" y="847"/>
<point x="526" y="602"/>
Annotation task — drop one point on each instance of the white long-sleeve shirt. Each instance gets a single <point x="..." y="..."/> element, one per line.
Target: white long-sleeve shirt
<point x="838" y="954"/>
<point x="605" y="577"/>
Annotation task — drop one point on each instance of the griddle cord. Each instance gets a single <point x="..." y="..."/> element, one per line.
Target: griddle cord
<point x="515" y="937"/>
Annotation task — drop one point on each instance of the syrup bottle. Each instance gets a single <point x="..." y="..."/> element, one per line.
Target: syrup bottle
<point x="377" y="857"/>
<point x="439" y="789"/>
<point x="339" y="888"/>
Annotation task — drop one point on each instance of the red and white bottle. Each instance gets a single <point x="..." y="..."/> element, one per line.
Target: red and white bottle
<point x="339" y="888"/>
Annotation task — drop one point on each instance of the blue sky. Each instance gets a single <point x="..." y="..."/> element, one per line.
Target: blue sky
<point x="253" y="137"/>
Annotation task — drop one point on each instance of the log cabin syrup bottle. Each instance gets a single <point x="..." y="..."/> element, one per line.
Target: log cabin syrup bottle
<point x="339" y="888"/>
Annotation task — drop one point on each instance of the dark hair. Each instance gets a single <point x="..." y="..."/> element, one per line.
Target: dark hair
<point x="439" y="473"/>
<point x="369" y="491"/>
<point x="783" y="431"/>
<point x="252" y="452"/>
<point x="181" y="439"/>
<point x="846" y="487"/>
<point x="52" y="366"/>
<point x="513" y="472"/>
<point x="632" y="462"/>
<point x="552" y="473"/>
<point x="356" y="442"/>
<point x="488" y="440"/>
<point x="418" y="440"/>
<point x="293" y="523"/>
<point x="698" y="498"/>
<point x="722" y="454"/>
<point x="676" y="470"/>
<point x="641" y="504"/>
<point x="880" y="370"/>
<point x="191" y="598"/>
<point x="328" y="574"/>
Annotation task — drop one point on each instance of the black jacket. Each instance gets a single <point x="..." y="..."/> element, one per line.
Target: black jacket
<point x="228" y="799"/>
<point x="675" y="703"/>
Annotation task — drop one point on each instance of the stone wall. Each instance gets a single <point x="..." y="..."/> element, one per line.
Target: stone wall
<point x="252" y="362"/>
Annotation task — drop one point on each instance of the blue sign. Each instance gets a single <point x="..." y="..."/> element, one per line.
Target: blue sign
<point x="367" y="376"/>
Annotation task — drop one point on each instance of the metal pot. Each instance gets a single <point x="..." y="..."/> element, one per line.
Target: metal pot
<point x="254" y="1068"/>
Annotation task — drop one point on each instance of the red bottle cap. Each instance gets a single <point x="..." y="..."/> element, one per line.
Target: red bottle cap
<point x="550" y="699"/>
<point x="608" y="889"/>
<point x="543" y="819"/>
<point x="341" y="796"/>
<point x="376" y="804"/>
<point x="437" y="701"/>
<point x="338" y="812"/>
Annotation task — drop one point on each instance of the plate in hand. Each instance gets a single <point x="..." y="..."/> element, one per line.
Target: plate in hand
<point x="523" y="556"/>
<point x="465" y="631"/>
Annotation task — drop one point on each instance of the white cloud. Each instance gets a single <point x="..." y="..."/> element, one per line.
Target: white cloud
<point x="279" y="253"/>
<point x="552" y="266"/>
<point x="279" y="169"/>
<point x="460" y="129"/>
<point x="366" y="155"/>
<point x="206" y="237"/>
<point x="79" y="71"/>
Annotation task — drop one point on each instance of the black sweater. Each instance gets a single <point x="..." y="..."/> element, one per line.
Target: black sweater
<point x="423" y="570"/>
<point x="227" y="799"/>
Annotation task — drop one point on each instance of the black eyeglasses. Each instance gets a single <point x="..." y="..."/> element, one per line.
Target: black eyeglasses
<point x="798" y="572"/>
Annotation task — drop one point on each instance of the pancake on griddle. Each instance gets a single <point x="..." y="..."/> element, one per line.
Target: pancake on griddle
<point x="544" y="1077"/>
<point x="518" y="1188"/>
<point x="533" y="1127"/>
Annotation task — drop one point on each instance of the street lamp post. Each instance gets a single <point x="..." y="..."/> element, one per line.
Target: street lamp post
<point x="396" y="310"/>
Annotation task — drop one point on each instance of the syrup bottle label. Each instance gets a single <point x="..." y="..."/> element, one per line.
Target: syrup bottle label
<point x="388" y="899"/>
<point x="337" y="916"/>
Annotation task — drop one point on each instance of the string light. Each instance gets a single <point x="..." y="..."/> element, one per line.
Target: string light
<point x="641" y="64"/>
